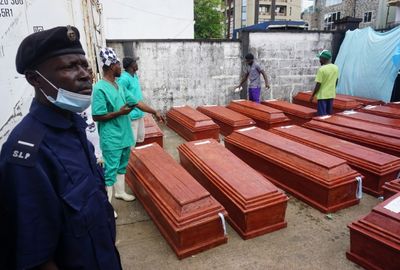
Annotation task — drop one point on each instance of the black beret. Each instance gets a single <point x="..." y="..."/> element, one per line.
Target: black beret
<point x="40" y="46"/>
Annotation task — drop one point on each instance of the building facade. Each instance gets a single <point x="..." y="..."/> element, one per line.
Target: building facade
<point x="374" y="13"/>
<point x="242" y="13"/>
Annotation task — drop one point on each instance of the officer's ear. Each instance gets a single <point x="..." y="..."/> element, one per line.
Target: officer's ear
<point x="33" y="78"/>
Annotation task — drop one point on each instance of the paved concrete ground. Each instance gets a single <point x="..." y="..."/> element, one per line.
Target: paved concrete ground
<point x="311" y="240"/>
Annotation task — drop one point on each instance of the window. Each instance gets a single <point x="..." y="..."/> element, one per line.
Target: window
<point x="290" y="11"/>
<point x="367" y="16"/>
<point x="244" y="12"/>
<point x="329" y="20"/>
<point x="332" y="2"/>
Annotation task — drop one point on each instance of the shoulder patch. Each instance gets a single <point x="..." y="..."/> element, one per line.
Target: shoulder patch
<point x="25" y="144"/>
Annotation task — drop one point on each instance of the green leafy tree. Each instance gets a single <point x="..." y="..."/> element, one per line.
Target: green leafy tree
<point x="209" y="19"/>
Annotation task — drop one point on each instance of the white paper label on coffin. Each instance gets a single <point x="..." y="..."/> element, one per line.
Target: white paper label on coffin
<point x="394" y="205"/>
<point x="246" y="129"/>
<point x="200" y="143"/>
<point x="349" y="112"/>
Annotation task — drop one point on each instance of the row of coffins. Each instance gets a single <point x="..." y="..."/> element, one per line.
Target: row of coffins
<point x="152" y="133"/>
<point x="208" y="121"/>
<point x="375" y="238"/>
<point x="254" y="205"/>
<point x="188" y="217"/>
<point x="377" y="167"/>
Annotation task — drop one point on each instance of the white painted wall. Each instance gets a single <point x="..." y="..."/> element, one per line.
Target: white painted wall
<point x="148" y="19"/>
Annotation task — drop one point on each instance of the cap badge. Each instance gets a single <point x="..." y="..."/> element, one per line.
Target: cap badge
<point x="71" y="34"/>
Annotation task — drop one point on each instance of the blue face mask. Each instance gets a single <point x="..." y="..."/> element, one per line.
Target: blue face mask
<point x="67" y="100"/>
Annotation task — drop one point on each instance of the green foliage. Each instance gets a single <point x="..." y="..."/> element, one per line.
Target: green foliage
<point x="209" y="19"/>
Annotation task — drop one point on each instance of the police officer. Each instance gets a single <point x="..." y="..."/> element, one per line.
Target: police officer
<point x="54" y="212"/>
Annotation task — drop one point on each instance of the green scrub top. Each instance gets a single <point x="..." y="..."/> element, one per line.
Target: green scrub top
<point x="117" y="132"/>
<point x="131" y="84"/>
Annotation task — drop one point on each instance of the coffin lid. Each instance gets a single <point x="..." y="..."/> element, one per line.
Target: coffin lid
<point x="226" y="115"/>
<point x="360" y="155"/>
<point x="298" y="157"/>
<point x="360" y="125"/>
<point x="387" y="111"/>
<point x="234" y="175"/>
<point x="191" y="118"/>
<point x="182" y="196"/>
<point x="290" y="108"/>
<point x="372" y="118"/>
<point x="385" y="221"/>
<point x="339" y="102"/>
<point x="257" y="111"/>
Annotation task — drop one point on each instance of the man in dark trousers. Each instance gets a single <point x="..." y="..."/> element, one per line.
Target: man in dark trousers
<point x="53" y="203"/>
<point x="252" y="73"/>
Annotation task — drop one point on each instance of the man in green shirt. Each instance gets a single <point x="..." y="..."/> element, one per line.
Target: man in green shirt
<point x="325" y="87"/>
<point x="111" y="105"/>
<point x="130" y="80"/>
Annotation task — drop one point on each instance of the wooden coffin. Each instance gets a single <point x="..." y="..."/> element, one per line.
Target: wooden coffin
<point x="339" y="103"/>
<point x="364" y="101"/>
<point x="381" y="138"/>
<point x="391" y="188"/>
<point x="376" y="167"/>
<point x="395" y="104"/>
<point x="372" y="118"/>
<point x="264" y="116"/>
<point x="153" y="133"/>
<point x="191" y="124"/>
<point x="185" y="213"/>
<point x="226" y="119"/>
<point x="321" y="180"/>
<point x="297" y="113"/>
<point x="375" y="238"/>
<point x="254" y="205"/>
<point x="386" y="111"/>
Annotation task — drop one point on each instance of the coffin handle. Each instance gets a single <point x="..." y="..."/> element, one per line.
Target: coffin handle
<point x="359" y="187"/>
<point x="221" y="216"/>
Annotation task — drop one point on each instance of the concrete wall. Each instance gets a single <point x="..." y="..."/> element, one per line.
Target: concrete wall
<point x="174" y="73"/>
<point x="144" y="19"/>
<point x="289" y="60"/>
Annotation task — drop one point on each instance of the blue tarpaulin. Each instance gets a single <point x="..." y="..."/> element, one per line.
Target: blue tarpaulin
<point x="369" y="62"/>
